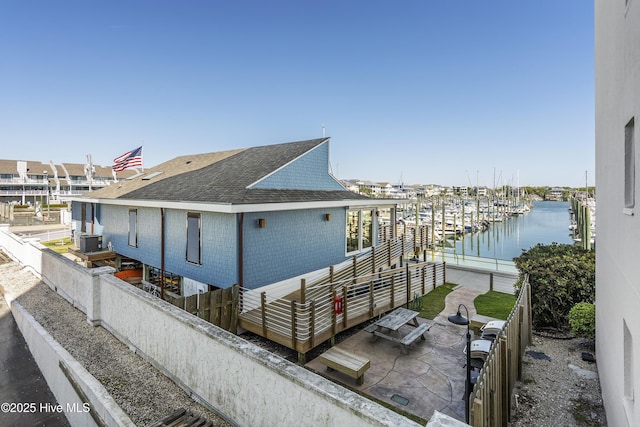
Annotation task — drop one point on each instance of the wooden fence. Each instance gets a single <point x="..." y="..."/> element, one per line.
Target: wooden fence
<point x="319" y="311"/>
<point x="364" y="288"/>
<point x="490" y="401"/>
<point x="219" y="306"/>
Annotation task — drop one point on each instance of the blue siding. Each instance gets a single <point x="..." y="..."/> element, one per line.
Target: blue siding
<point x="309" y="172"/>
<point x="76" y="217"/>
<point x="292" y="243"/>
<point x="116" y="221"/>
<point x="219" y="248"/>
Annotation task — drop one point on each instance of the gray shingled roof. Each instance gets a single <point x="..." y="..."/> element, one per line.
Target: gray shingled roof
<point x="226" y="180"/>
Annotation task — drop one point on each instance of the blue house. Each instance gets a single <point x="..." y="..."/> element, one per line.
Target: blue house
<point x="251" y="216"/>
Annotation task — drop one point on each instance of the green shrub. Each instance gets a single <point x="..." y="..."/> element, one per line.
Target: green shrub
<point x="560" y="277"/>
<point x="582" y="318"/>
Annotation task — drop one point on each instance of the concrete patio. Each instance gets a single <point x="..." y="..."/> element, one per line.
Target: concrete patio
<point x="431" y="377"/>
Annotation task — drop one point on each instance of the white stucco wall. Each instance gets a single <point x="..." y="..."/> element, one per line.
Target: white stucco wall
<point x="246" y="383"/>
<point x="49" y="355"/>
<point x="25" y="250"/>
<point x="617" y="91"/>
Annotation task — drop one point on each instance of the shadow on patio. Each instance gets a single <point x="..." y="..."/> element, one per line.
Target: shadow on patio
<point x="431" y="377"/>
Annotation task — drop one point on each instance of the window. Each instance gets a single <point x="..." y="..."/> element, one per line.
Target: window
<point x="359" y="233"/>
<point x="367" y="229"/>
<point x="629" y="166"/>
<point x="194" y="245"/>
<point x="133" y="228"/>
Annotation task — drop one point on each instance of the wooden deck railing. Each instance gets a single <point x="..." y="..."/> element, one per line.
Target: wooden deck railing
<point x="365" y="288"/>
<point x="308" y="317"/>
<point x="491" y="397"/>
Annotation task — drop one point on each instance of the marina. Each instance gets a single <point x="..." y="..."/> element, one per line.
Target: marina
<point x="490" y="235"/>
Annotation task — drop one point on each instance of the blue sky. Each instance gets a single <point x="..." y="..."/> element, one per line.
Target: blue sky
<point x="440" y="92"/>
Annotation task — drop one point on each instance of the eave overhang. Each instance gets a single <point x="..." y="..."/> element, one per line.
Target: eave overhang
<point x="229" y="208"/>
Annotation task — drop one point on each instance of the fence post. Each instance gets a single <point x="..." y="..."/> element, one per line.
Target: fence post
<point x="235" y="302"/>
<point x="424" y="278"/>
<point x="312" y="323"/>
<point x="373" y="259"/>
<point x="303" y="291"/>
<point x="408" y="273"/>
<point x="345" y="308"/>
<point x="444" y="272"/>
<point x="263" y="309"/>
<point x="331" y="279"/>
<point x="371" y="300"/>
<point x="293" y="324"/>
<point x="333" y="316"/>
<point x="491" y="281"/>
<point x="355" y="266"/>
<point x="393" y="291"/>
<point x="435" y="283"/>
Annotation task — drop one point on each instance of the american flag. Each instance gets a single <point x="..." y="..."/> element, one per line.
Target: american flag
<point x="130" y="159"/>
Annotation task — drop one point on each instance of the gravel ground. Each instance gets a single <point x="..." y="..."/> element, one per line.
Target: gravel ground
<point x="143" y="392"/>
<point x="560" y="389"/>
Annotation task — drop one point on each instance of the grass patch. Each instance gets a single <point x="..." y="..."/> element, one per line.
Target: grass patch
<point x="60" y="246"/>
<point x="431" y="304"/>
<point x="495" y="304"/>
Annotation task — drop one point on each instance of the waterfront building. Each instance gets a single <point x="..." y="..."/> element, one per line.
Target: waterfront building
<point x="251" y="217"/>
<point x="31" y="181"/>
<point x="617" y="104"/>
<point x="461" y="191"/>
<point x="555" y="194"/>
<point x="481" y="191"/>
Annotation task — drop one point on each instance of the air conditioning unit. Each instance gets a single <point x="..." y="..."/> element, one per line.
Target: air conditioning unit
<point x="90" y="243"/>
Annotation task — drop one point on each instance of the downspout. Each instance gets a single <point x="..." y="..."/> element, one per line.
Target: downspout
<point x="93" y="215"/>
<point x="240" y="249"/>
<point x="161" y="253"/>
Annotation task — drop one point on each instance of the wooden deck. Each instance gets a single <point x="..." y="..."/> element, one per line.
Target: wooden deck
<point x="342" y="299"/>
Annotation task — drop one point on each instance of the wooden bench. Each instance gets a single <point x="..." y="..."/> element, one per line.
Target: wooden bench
<point x="346" y="362"/>
<point x="412" y="336"/>
<point x="371" y="328"/>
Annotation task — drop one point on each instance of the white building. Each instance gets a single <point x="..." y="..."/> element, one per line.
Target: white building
<point x="617" y="96"/>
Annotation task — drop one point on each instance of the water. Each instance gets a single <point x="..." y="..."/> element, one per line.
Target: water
<point x="547" y="222"/>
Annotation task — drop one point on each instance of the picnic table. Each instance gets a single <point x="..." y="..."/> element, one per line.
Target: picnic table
<point x="388" y="327"/>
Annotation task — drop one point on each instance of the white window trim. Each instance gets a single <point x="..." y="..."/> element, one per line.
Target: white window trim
<point x="360" y="249"/>
<point x="135" y="228"/>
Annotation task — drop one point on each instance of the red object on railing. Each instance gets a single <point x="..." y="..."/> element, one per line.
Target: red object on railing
<point x="337" y="305"/>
